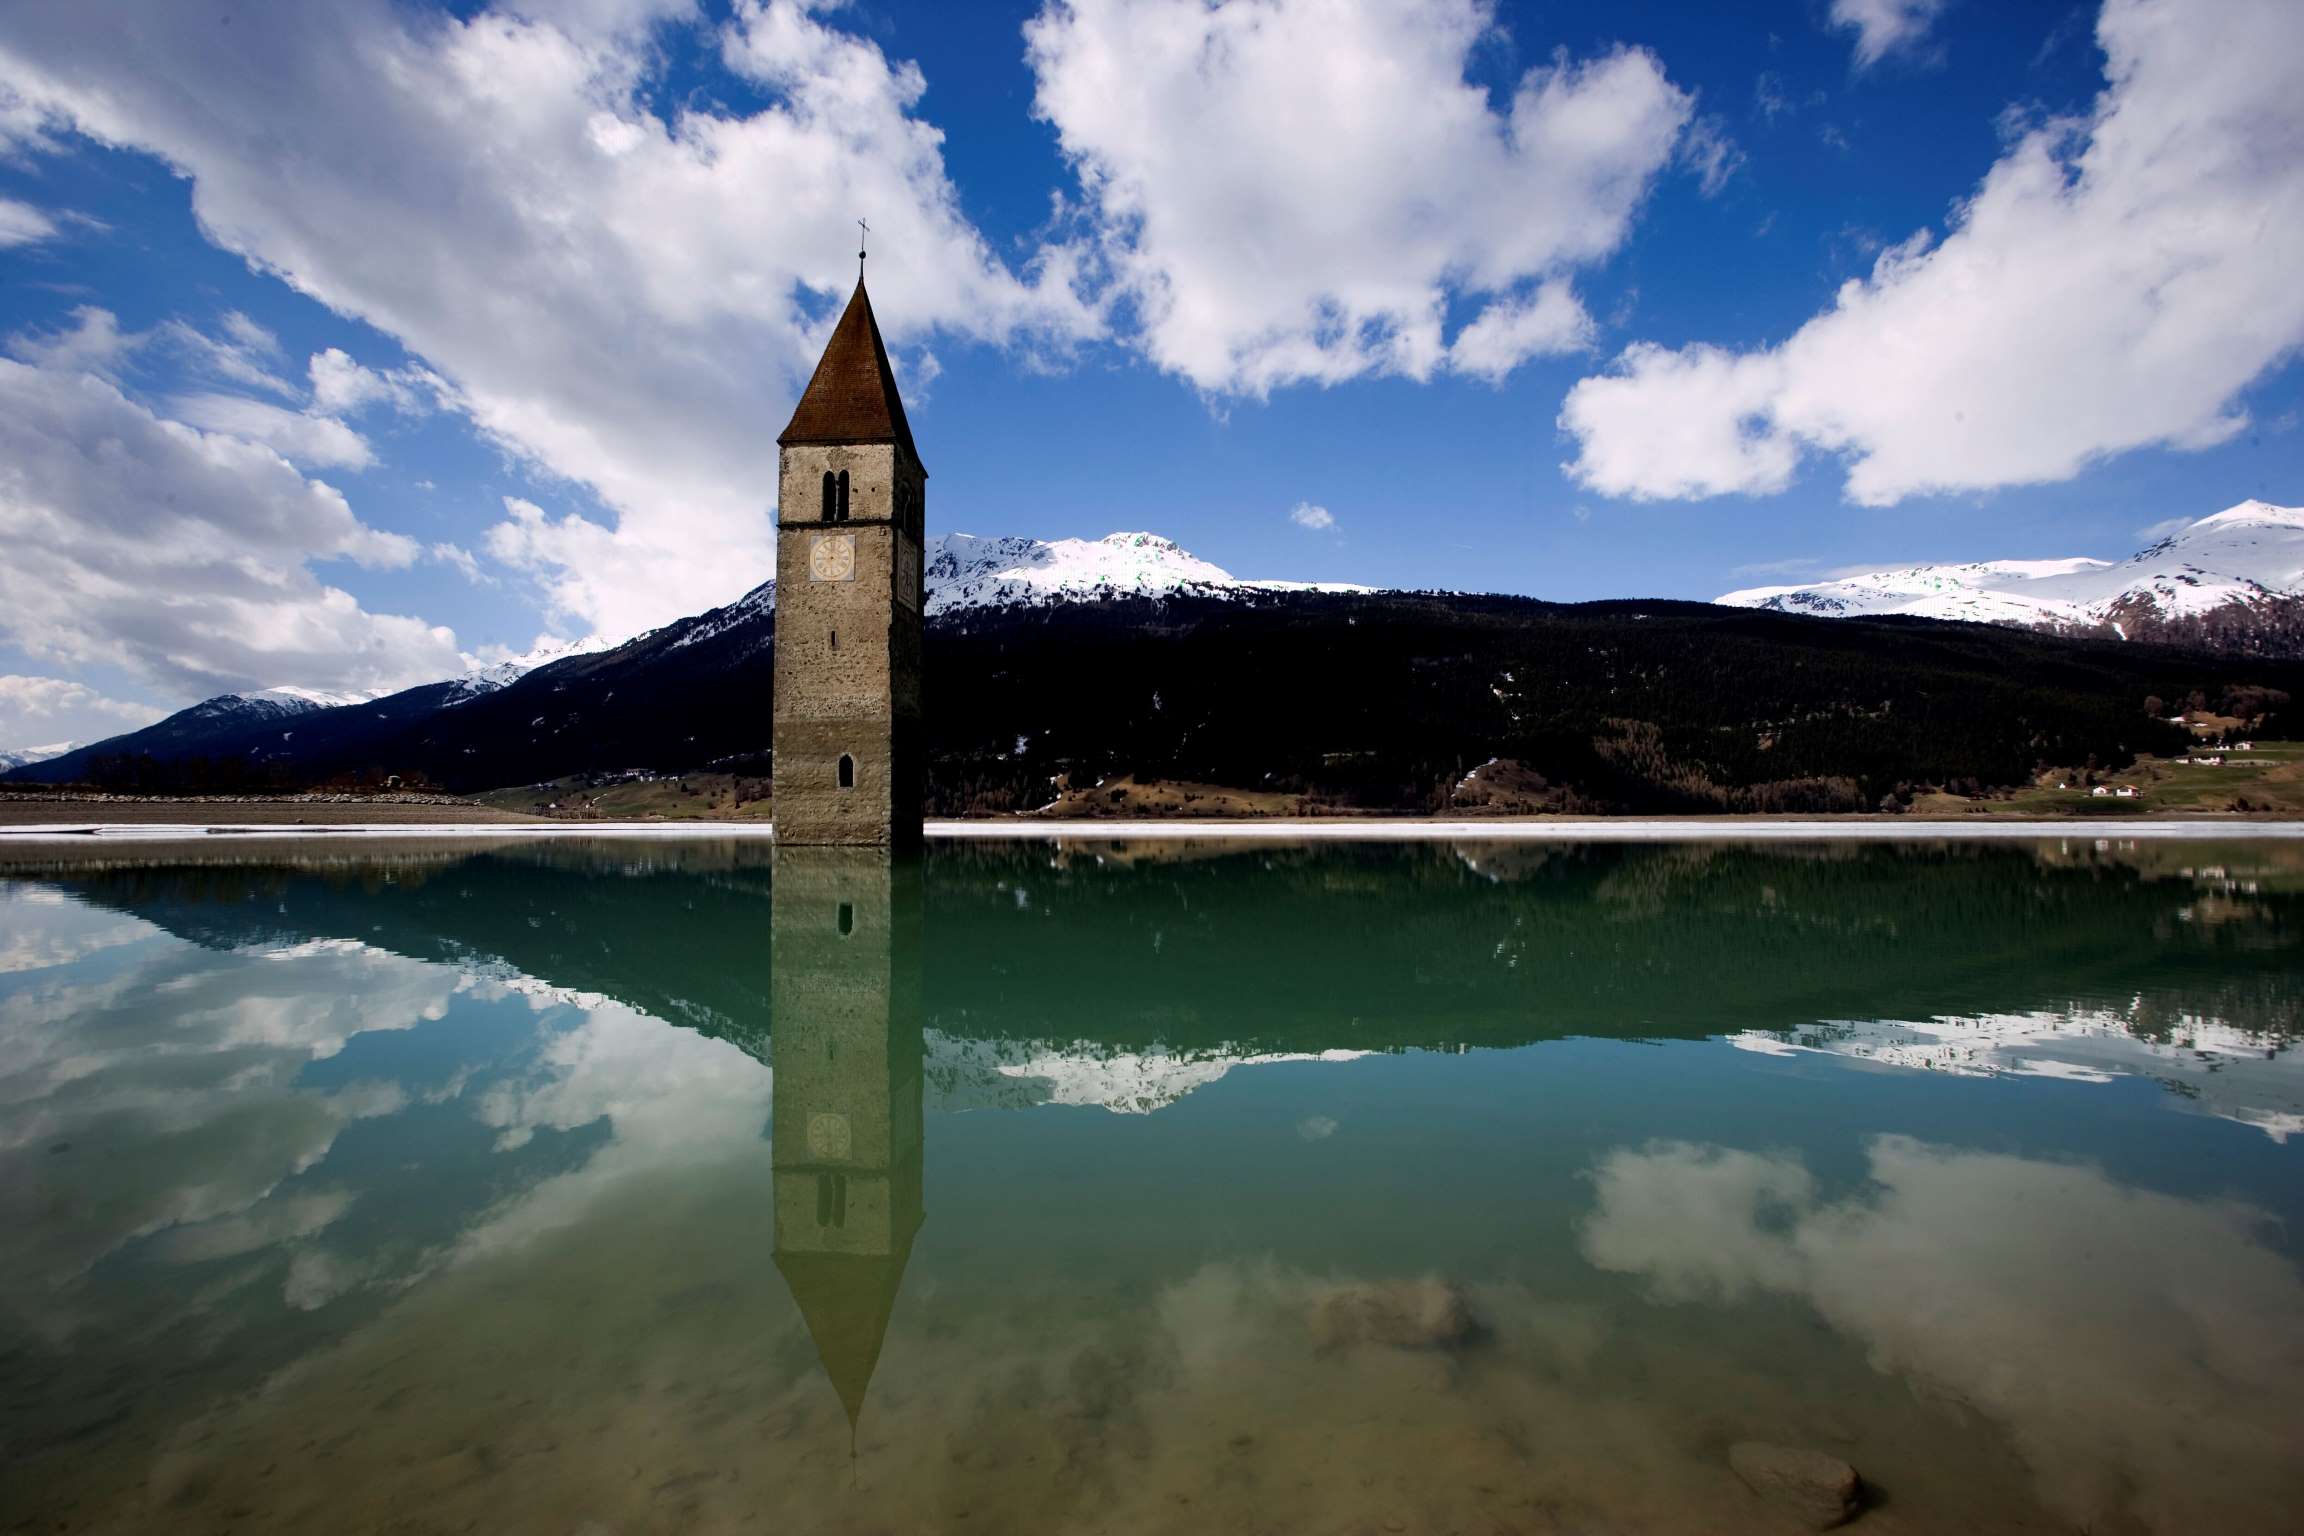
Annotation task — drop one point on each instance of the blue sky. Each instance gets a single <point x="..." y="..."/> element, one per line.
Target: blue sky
<point x="351" y="345"/>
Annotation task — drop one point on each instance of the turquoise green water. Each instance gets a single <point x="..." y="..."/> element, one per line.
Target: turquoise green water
<point x="1157" y="1187"/>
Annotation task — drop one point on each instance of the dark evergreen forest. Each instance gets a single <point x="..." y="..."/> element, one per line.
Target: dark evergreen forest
<point x="1377" y="702"/>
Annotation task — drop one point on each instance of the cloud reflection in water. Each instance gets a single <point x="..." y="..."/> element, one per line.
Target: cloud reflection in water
<point x="2143" y="1350"/>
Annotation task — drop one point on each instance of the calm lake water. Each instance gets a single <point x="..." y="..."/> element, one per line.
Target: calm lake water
<point x="557" y="1187"/>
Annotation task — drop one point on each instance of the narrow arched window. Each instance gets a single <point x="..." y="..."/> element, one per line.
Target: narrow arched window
<point x="831" y="495"/>
<point x="831" y="1200"/>
<point x="847" y="771"/>
<point x="847" y="918"/>
<point x="841" y="515"/>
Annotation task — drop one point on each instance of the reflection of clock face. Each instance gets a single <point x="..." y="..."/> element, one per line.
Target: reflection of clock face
<point x="828" y="1139"/>
<point x="832" y="557"/>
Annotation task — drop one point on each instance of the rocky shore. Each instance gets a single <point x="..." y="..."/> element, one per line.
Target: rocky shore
<point x="19" y="808"/>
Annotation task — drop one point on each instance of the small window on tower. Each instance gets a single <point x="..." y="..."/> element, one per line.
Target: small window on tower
<point x="847" y="918"/>
<point x="831" y="1200"/>
<point x="841" y="515"/>
<point x="831" y="495"/>
<point x="847" y="771"/>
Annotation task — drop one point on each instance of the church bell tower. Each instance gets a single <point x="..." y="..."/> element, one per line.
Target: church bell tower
<point x="850" y="520"/>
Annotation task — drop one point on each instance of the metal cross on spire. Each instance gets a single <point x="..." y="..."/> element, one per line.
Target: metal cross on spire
<point x="867" y="229"/>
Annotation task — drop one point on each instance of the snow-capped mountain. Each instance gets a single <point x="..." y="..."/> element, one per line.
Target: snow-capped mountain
<point x="277" y="726"/>
<point x="2242" y="561"/>
<point x="965" y="571"/>
<point x="267" y="726"/>
<point x="753" y="607"/>
<point x="502" y="674"/>
<point x="288" y="700"/>
<point x="259" y="704"/>
<point x="20" y="756"/>
<point x="226" y="724"/>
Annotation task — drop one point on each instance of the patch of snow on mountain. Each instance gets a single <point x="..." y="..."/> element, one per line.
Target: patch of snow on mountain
<point x="761" y="599"/>
<point x="502" y="674"/>
<point x="965" y="571"/>
<point x="22" y="756"/>
<point x="312" y="698"/>
<point x="2243" y="555"/>
<point x="1267" y="584"/>
<point x="258" y="704"/>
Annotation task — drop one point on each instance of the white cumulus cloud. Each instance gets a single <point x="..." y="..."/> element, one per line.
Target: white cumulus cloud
<point x="23" y="224"/>
<point x="34" y="710"/>
<point x="1883" y="27"/>
<point x="321" y="442"/>
<point x="2114" y="283"/>
<point x="1305" y="515"/>
<point x="92" y="343"/>
<point x="239" y="351"/>
<point x="1292" y="190"/>
<point x="342" y="385"/>
<point x="460" y="559"/>
<point x="2141" y="1349"/>
<point x="183" y="555"/>
<point x="1510" y="331"/>
<point x="626" y="298"/>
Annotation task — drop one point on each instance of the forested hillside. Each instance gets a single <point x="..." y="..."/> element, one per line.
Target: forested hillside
<point x="1392" y="701"/>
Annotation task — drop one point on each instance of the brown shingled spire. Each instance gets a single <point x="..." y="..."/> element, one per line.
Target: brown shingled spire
<point x="852" y="397"/>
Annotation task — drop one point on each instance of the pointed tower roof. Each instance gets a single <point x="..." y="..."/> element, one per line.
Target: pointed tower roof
<point x="852" y="396"/>
<point x="847" y="1300"/>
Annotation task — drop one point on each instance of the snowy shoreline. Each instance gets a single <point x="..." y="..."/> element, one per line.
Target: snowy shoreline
<point x="1596" y="830"/>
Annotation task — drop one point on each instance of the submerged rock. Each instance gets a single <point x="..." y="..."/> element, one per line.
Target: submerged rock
<point x="1822" y="1490"/>
<point x="1405" y="1314"/>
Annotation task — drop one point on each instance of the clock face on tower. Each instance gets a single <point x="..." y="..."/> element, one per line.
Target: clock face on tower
<point x="832" y="557"/>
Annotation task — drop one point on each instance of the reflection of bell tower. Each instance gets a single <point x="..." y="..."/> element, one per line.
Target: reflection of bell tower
<point x="845" y="1123"/>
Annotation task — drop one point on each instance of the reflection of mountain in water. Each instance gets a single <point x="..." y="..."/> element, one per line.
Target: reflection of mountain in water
<point x="379" y="1136"/>
<point x="1070" y="975"/>
<point x="1006" y="1074"/>
<point x="2236" y="1074"/>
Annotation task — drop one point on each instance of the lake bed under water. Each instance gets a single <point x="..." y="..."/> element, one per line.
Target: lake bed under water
<point x="1138" y="1185"/>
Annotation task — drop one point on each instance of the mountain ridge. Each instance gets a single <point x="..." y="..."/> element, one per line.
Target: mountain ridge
<point x="2222" y="578"/>
<point x="1124" y="656"/>
<point x="961" y="572"/>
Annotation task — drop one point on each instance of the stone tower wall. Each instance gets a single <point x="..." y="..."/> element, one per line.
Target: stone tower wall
<point x="848" y="652"/>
